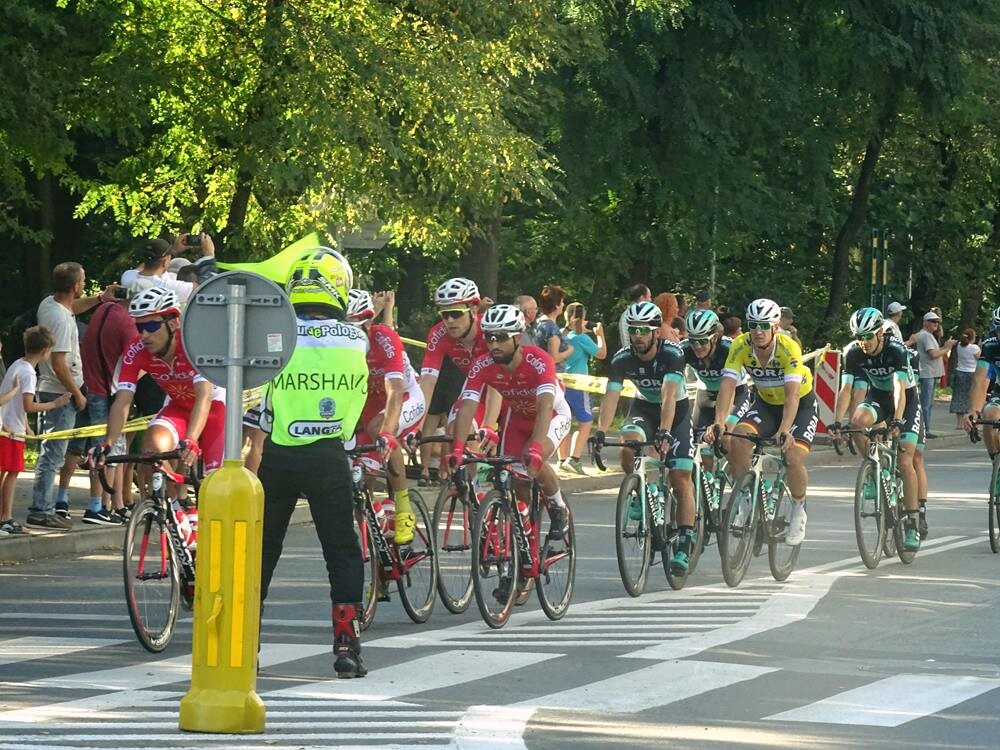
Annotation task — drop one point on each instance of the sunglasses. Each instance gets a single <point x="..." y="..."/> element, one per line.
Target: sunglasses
<point x="866" y="336"/>
<point x="150" y="326"/>
<point x="639" y="330"/>
<point x="758" y="325"/>
<point x="496" y="338"/>
<point x="453" y="314"/>
<point x="700" y="342"/>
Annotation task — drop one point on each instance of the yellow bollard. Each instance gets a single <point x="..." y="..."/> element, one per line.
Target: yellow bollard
<point x="223" y="697"/>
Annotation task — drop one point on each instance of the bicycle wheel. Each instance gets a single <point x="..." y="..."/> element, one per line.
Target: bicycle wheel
<point x="889" y="519"/>
<point x="417" y="583"/>
<point x="700" y="534"/>
<point x="453" y="514"/>
<point x="556" y="570"/>
<point x="781" y="557"/>
<point x="739" y="530"/>
<point x="633" y="540"/>
<point x="152" y="577"/>
<point x="906" y="556"/>
<point x="371" y="565"/>
<point x="869" y="522"/>
<point x="994" y="507"/>
<point x="494" y="574"/>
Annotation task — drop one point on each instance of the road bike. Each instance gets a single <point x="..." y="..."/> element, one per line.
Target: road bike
<point x="412" y="566"/>
<point x="760" y="506"/>
<point x="993" y="506"/>
<point x="512" y="551"/>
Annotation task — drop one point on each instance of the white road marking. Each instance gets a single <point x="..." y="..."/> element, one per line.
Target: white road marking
<point x="492" y="728"/>
<point x="17" y="650"/>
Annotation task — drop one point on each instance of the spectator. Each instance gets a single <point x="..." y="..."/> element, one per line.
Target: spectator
<point x="578" y="331"/>
<point x="703" y="300"/>
<point x="109" y="334"/>
<point x="18" y="400"/>
<point x="548" y="334"/>
<point x="732" y="326"/>
<point x="529" y="308"/>
<point x="930" y="357"/>
<point x="188" y="273"/>
<point x="668" y="305"/>
<point x="893" y="314"/>
<point x="786" y="324"/>
<point x="61" y="373"/>
<point x="682" y="306"/>
<point x="678" y="327"/>
<point x="635" y="293"/>
<point x="157" y="255"/>
<point x="967" y="355"/>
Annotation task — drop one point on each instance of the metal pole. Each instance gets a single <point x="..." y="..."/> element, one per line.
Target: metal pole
<point x="873" y="273"/>
<point x="885" y="267"/>
<point x="715" y="226"/>
<point x="234" y="372"/>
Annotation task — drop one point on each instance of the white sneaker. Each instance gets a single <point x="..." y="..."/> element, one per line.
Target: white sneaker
<point x="796" y="525"/>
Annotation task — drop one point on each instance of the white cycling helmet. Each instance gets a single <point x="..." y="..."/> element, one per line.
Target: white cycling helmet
<point x="763" y="311"/>
<point x="996" y="316"/>
<point x="360" y="304"/>
<point x="643" y="314"/>
<point x="503" y="319"/>
<point x="457" y="291"/>
<point x="866" y="320"/>
<point x="156" y="300"/>
<point x="701" y="323"/>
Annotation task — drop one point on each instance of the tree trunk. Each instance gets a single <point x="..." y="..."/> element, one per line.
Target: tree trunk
<point x="232" y="236"/>
<point x="855" y="219"/>
<point x="47" y="224"/>
<point x="412" y="292"/>
<point x="481" y="258"/>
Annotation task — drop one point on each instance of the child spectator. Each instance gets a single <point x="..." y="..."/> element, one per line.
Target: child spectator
<point x="20" y="380"/>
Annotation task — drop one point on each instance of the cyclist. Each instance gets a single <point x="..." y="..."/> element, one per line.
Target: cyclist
<point x="308" y="411"/>
<point x="458" y="337"/>
<point x="879" y="370"/>
<point x="984" y="400"/>
<point x="194" y="414"/>
<point x="784" y="405"/>
<point x="660" y="411"/>
<point x="395" y="402"/>
<point x="536" y="416"/>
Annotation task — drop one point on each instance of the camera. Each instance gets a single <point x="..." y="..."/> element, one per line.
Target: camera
<point x="120" y="292"/>
<point x="193" y="240"/>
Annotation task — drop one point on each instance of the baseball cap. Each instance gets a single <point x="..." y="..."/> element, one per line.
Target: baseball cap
<point x="177" y="264"/>
<point x="932" y="316"/>
<point x="894" y="307"/>
<point x="703" y="296"/>
<point x="154" y="250"/>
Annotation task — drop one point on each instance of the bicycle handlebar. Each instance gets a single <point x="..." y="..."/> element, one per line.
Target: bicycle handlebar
<point x="151" y="459"/>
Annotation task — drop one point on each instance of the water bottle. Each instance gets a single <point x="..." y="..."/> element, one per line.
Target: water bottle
<point x="389" y="507"/>
<point x="710" y="493"/>
<point x="656" y="501"/>
<point x="192" y="516"/>
<point x="525" y="513"/>
<point x="379" y="514"/>
<point x="183" y="524"/>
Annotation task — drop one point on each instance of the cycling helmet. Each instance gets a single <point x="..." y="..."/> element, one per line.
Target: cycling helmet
<point x="360" y="305"/>
<point x="701" y="323"/>
<point x="457" y="291"/>
<point x="996" y="317"/>
<point x="866" y="320"/>
<point x="320" y="276"/>
<point x="503" y="319"/>
<point x="763" y="311"/>
<point x="643" y="314"/>
<point x="156" y="300"/>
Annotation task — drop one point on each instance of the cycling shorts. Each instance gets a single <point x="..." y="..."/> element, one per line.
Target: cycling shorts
<point x="764" y="419"/>
<point x="880" y="404"/>
<point x="213" y="438"/>
<point x="645" y="416"/>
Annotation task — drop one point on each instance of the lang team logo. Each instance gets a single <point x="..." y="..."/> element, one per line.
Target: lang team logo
<point x="327" y="407"/>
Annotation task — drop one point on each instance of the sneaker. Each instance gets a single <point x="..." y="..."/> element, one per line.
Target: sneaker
<point x="101" y="517"/>
<point x="796" y="525"/>
<point x="12" y="527"/>
<point x="558" y="522"/>
<point x="573" y="465"/>
<point x="63" y="511"/>
<point x="48" y="521"/>
<point x="4" y="532"/>
<point x="911" y="539"/>
<point x="123" y="513"/>
<point x="405" y="524"/>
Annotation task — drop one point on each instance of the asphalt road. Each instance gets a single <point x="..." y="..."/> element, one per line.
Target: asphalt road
<point x="836" y="657"/>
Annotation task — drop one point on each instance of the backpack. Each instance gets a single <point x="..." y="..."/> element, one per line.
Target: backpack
<point x="13" y="342"/>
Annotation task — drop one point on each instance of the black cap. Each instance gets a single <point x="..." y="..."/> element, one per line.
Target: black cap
<point x="154" y="250"/>
<point x="703" y="296"/>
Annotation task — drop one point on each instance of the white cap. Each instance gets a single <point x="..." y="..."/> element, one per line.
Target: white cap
<point x="177" y="264"/>
<point x="894" y="307"/>
<point x="932" y="316"/>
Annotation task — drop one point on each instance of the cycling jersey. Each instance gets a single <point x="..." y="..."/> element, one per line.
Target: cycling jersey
<point x="784" y="365"/>
<point x="989" y="360"/>
<point x="387" y="360"/>
<point x="648" y="376"/>
<point x="878" y="371"/>
<point x="709" y="372"/>
<point x="535" y="376"/>
<point x="176" y="378"/>
<point x="441" y="345"/>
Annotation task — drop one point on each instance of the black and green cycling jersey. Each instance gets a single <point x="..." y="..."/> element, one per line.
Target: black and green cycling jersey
<point x="709" y="371"/>
<point x="321" y="392"/>
<point x="880" y="370"/>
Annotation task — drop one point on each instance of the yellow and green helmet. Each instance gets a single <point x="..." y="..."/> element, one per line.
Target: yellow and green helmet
<point x="321" y="276"/>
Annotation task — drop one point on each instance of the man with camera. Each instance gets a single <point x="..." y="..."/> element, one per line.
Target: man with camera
<point x="156" y="256"/>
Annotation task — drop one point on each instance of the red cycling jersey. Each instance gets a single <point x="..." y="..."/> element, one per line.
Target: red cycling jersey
<point x="387" y="361"/>
<point x="520" y="389"/>
<point x="177" y="378"/>
<point x="441" y="345"/>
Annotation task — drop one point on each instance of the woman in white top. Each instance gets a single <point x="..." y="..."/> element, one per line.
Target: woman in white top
<point x="967" y="353"/>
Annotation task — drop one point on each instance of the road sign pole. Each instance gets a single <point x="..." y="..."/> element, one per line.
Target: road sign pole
<point x="234" y="371"/>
